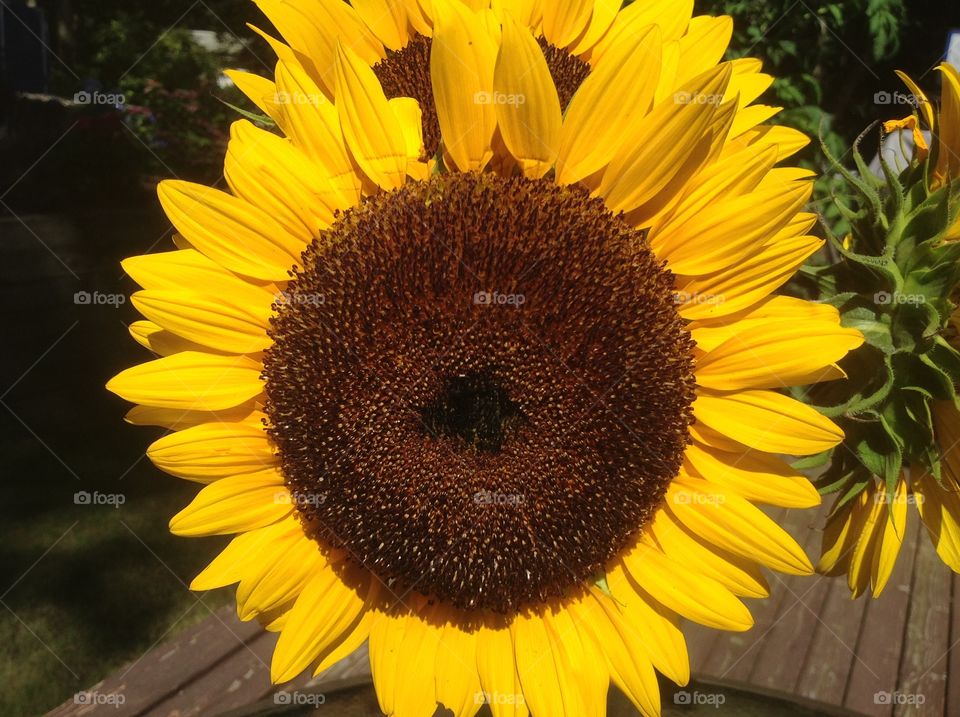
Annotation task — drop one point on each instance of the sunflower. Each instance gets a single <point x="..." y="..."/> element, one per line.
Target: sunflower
<point x="395" y="38"/>
<point x="506" y="414"/>
<point x="917" y="443"/>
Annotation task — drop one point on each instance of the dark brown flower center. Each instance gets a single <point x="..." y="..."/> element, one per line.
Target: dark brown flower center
<point x="406" y="73"/>
<point x="491" y="397"/>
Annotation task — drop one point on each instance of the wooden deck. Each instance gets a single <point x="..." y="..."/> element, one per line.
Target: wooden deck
<point x="885" y="658"/>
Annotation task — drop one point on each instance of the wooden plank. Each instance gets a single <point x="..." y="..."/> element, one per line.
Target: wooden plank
<point x="165" y="669"/>
<point x="953" y="660"/>
<point x="923" y="668"/>
<point x="792" y="632"/>
<point x="733" y="654"/>
<point x="879" y="647"/>
<point x="831" y="652"/>
<point x="240" y="678"/>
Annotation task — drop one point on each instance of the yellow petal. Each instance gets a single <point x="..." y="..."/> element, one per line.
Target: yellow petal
<point x="726" y="232"/>
<point x="711" y="333"/>
<point x="741" y="577"/>
<point x="176" y="419"/>
<point x="773" y="355"/>
<point x="387" y="19"/>
<point x="313" y="125"/>
<point x="257" y="89"/>
<point x="242" y="555"/>
<point x="189" y="268"/>
<point x="767" y="421"/>
<point x="230" y="231"/>
<point x="688" y="593"/>
<point x="190" y="381"/>
<point x="526" y="101"/>
<point x="234" y="505"/>
<point x="893" y="531"/>
<point x="372" y="131"/>
<point x="497" y="668"/>
<point x="725" y="519"/>
<point x="756" y="476"/>
<point x="584" y="677"/>
<point x="162" y="342"/>
<point x="703" y="45"/>
<point x="658" y="628"/>
<point x="564" y="20"/>
<point x="280" y="574"/>
<point x="742" y="285"/>
<point x="221" y="324"/>
<point x="622" y="649"/>
<point x="457" y="678"/>
<point x="324" y="611"/>
<point x="940" y="511"/>
<point x="272" y="174"/>
<point x="866" y="541"/>
<point x="611" y="99"/>
<point x="212" y="451"/>
<point x="410" y="118"/>
<point x="672" y="16"/>
<point x="462" y="63"/>
<point x="539" y="675"/>
<point x="654" y="151"/>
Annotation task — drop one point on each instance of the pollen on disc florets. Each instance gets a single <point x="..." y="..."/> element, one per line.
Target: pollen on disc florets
<point x="485" y="390"/>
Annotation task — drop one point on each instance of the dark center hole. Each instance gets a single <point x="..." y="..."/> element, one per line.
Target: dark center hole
<point x="473" y="409"/>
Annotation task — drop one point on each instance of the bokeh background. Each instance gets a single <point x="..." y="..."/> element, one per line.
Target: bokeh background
<point x="99" y="101"/>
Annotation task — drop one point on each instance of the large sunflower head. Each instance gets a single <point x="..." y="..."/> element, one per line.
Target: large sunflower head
<point x="504" y="411"/>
